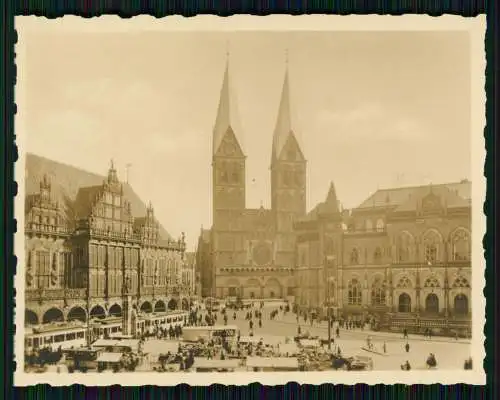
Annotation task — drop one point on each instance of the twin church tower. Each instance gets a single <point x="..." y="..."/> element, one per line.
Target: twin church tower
<point x="252" y="250"/>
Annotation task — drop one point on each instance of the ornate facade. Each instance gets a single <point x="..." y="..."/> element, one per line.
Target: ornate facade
<point x="85" y="255"/>
<point x="402" y="251"/>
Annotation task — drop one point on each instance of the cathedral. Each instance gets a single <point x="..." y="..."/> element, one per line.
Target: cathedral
<point x="252" y="251"/>
<point x="404" y="253"/>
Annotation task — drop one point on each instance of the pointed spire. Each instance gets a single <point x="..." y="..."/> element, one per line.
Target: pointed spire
<point x="332" y="202"/>
<point x="227" y="113"/>
<point x="112" y="175"/>
<point x="284" y="126"/>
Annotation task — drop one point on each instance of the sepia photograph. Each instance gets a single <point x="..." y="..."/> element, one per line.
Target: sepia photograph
<point x="257" y="196"/>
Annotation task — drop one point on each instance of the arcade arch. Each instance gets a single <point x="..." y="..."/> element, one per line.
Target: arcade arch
<point x="77" y="314"/>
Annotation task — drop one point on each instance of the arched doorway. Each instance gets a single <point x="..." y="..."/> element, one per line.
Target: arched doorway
<point x="251" y="289"/>
<point x="185" y="304"/>
<point x="53" y="315"/>
<point x="404" y="303"/>
<point x="115" y="310"/>
<point x="432" y="303"/>
<point x="272" y="289"/>
<point x="172" y="304"/>
<point x="146" y="307"/>
<point x="160" y="306"/>
<point x="233" y="288"/>
<point x="97" y="312"/>
<point x="77" y="314"/>
<point x="461" y="304"/>
<point x="30" y="318"/>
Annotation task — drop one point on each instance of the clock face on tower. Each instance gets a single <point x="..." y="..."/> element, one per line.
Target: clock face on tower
<point x="262" y="254"/>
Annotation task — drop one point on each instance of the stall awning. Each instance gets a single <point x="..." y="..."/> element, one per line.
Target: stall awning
<point x="109" y="357"/>
<point x="249" y="339"/>
<point x="272" y="362"/>
<point x="309" y="343"/>
<point x="200" y="362"/>
<point x="105" y="343"/>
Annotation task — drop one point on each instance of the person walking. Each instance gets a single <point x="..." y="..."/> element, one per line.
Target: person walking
<point x="407" y="347"/>
<point x="384" y="347"/>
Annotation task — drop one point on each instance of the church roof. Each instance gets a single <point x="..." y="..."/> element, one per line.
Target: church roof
<point x="227" y="113"/>
<point x="284" y="129"/>
<point x="74" y="188"/>
<point x="455" y="194"/>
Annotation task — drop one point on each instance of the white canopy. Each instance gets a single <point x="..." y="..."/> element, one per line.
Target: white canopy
<point x="109" y="357"/>
<point x="272" y="362"/>
<point x="200" y="362"/>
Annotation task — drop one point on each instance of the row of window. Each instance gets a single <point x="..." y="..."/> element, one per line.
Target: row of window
<point x="378" y="290"/>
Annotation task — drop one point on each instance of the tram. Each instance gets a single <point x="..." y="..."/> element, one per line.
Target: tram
<point x="55" y="336"/>
<point x="162" y="320"/>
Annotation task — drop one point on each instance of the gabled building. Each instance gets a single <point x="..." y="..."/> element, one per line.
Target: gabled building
<point x="86" y="250"/>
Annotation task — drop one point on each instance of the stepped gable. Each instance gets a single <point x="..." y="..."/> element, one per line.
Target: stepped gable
<point x="74" y="188"/>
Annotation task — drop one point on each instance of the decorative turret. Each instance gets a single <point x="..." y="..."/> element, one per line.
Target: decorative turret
<point x="112" y="174"/>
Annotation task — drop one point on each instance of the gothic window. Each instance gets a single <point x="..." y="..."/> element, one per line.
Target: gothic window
<point x="432" y="303"/>
<point x="461" y="304"/>
<point x="404" y="303"/>
<point x="432" y="282"/>
<point x="43" y="268"/>
<point x="298" y="179"/>
<point x="404" y="283"/>
<point x="369" y="225"/>
<point x="461" y="245"/>
<point x="377" y="256"/>
<point x="380" y="225"/>
<point x="404" y="244"/>
<point x="461" y="282"/>
<point x="354" y="292"/>
<point x="378" y="292"/>
<point x="354" y="256"/>
<point x="287" y="178"/>
<point x="431" y="243"/>
<point x="236" y="177"/>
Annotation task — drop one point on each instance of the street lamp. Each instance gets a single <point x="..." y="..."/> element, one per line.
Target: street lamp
<point x="328" y="281"/>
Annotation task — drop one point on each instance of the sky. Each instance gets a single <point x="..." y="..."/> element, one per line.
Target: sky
<point x="371" y="110"/>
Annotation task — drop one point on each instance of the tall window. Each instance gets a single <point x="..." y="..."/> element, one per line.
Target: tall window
<point x="432" y="303"/>
<point x="404" y="303"/>
<point x="378" y="292"/>
<point x="369" y="225"/>
<point x="43" y="268"/>
<point x="461" y="245"/>
<point x="380" y="225"/>
<point x="377" y="255"/>
<point x="354" y="256"/>
<point x="431" y="246"/>
<point x="354" y="292"/>
<point x="405" y="242"/>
